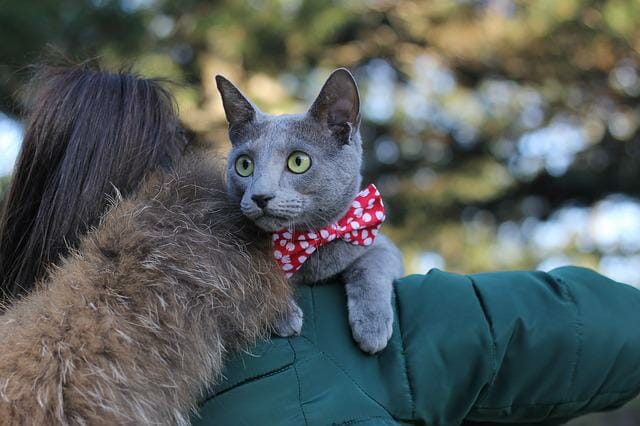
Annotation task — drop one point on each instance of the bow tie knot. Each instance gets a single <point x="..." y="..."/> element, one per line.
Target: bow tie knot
<point x="358" y="226"/>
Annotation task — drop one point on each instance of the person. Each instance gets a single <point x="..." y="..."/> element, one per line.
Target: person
<point x="83" y="144"/>
<point x="521" y="347"/>
<point x="131" y="325"/>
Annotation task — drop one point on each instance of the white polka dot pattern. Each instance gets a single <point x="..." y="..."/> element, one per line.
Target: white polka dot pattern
<point x="359" y="226"/>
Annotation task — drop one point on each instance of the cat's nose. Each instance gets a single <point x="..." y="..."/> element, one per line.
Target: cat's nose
<point x="261" y="200"/>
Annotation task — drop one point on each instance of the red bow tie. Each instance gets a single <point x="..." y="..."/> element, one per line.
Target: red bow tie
<point x="359" y="226"/>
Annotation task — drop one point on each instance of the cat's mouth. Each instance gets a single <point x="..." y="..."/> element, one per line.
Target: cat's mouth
<point x="266" y="219"/>
<point x="272" y="218"/>
<point x="270" y="222"/>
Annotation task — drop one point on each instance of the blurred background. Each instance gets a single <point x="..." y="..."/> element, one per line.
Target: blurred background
<point x="503" y="134"/>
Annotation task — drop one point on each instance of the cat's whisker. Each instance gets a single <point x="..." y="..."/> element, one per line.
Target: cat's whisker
<point x="315" y="271"/>
<point x="324" y="221"/>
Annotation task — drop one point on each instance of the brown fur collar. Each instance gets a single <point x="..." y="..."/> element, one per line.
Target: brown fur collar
<point x="133" y="326"/>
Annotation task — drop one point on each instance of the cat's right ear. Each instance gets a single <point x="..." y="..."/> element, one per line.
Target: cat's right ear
<point x="237" y="108"/>
<point x="338" y="105"/>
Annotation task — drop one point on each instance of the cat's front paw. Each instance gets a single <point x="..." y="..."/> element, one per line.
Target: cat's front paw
<point x="371" y="325"/>
<point x="290" y="323"/>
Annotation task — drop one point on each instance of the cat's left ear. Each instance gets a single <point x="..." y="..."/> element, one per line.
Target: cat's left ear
<point x="338" y="105"/>
<point x="240" y="112"/>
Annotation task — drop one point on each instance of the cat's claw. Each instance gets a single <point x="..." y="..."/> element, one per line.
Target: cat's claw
<point x="290" y="324"/>
<point x="371" y="327"/>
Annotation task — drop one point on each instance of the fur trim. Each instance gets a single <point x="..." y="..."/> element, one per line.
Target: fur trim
<point x="134" y="325"/>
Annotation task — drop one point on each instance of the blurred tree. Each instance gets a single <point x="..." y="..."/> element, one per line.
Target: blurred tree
<point x="79" y="28"/>
<point x="503" y="133"/>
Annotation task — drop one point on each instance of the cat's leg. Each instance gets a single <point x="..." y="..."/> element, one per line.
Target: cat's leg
<point x="290" y="324"/>
<point x="369" y="286"/>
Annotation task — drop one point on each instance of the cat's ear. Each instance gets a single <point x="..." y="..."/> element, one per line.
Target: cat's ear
<point x="237" y="108"/>
<point x="338" y="105"/>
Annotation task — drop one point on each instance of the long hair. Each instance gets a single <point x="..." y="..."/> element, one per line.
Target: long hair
<point x="90" y="135"/>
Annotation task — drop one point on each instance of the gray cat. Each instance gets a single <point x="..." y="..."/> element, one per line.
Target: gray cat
<point x="302" y="172"/>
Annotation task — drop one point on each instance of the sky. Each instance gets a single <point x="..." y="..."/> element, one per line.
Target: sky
<point x="10" y="139"/>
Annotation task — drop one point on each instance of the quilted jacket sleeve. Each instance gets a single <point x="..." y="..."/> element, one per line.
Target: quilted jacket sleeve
<point x="524" y="346"/>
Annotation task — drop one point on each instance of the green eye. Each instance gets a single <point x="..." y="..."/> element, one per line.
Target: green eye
<point x="298" y="162"/>
<point x="244" y="166"/>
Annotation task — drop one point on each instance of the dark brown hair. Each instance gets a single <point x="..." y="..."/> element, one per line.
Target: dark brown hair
<point x="90" y="135"/>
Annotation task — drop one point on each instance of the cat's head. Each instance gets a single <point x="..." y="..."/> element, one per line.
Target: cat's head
<point x="297" y="171"/>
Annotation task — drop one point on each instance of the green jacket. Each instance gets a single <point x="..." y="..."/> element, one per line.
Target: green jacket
<point x="495" y="347"/>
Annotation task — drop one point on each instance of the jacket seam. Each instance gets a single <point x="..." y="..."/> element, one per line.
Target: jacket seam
<point x="550" y="404"/>
<point x="313" y="312"/>
<point x="363" y="419"/>
<point x="295" y="370"/>
<point x="344" y="371"/>
<point x="246" y="381"/>
<point x="405" y="363"/>
<point x="578" y="324"/>
<point x="492" y="333"/>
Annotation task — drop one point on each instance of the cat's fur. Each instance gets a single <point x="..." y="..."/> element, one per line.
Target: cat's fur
<point x="133" y="326"/>
<point x="329" y="133"/>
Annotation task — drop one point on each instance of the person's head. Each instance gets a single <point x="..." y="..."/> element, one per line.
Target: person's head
<point x="89" y="135"/>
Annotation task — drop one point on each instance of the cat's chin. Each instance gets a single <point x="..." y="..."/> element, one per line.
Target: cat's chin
<point x="270" y="223"/>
